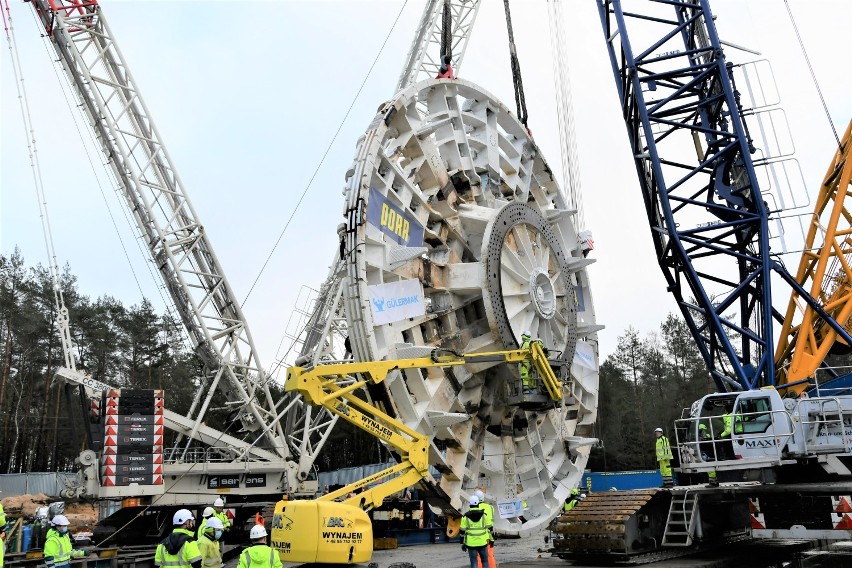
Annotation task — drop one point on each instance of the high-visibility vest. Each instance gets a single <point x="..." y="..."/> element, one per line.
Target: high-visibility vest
<point x="223" y="516"/>
<point x="185" y="556"/>
<point x="664" y="450"/>
<point x="259" y="556"/>
<point x="476" y="533"/>
<point x="211" y="556"/>
<point x="58" y="550"/>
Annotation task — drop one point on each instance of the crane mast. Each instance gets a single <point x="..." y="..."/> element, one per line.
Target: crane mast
<point x="164" y="215"/>
<point x="693" y="155"/>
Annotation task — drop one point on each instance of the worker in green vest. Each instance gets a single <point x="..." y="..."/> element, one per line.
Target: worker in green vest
<point x="259" y="555"/>
<point x="208" y="543"/>
<point x="206" y="514"/>
<point x="219" y="513"/>
<point x="664" y="457"/>
<point x="476" y="534"/>
<point x="572" y="500"/>
<point x="525" y="368"/>
<point x="179" y="548"/>
<point x="58" y="551"/>
<point x="706" y="443"/>
<point x="489" y="520"/>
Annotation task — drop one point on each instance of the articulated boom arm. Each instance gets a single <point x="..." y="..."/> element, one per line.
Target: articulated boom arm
<point x="332" y="387"/>
<point x="826" y="271"/>
<point x="692" y="152"/>
<point x="166" y="219"/>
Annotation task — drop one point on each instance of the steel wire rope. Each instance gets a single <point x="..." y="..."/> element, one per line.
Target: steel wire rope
<point x="325" y="154"/>
<point x="520" y="100"/>
<point x="813" y="75"/>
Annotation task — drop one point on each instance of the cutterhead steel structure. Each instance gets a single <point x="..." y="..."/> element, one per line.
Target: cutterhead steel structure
<point x="457" y="237"/>
<point x="182" y="252"/>
<point x="693" y="155"/>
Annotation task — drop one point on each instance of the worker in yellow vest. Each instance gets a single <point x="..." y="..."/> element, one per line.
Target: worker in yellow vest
<point x="208" y="543"/>
<point x="259" y="555"/>
<point x="219" y="513"/>
<point x="664" y="457"/>
<point x="58" y="551"/>
<point x="489" y="520"/>
<point x="179" y="548"/>
<point x="572" y="500"/>
<point x="476" y="534"/>
<point x="205" y="516"/>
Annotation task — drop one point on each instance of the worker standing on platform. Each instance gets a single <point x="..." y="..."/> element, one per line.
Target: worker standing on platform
<point x="259" y="555"/>
<point x="208" y="543"/>
<point x="219" y="508"/>
<point x="476" y="534"/>
<point x="178" y="549"/>
<point x="528" y="374"/>
<point x="58" y="551"/>
<point x="205" y="516"/>
<point x="664" y="457"/>
<point x="489" y="521"/>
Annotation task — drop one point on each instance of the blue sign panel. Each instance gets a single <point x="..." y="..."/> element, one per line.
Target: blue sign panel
<point x="393" y="221"/>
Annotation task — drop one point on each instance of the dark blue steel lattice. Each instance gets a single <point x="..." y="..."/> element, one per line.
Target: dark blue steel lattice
<point x="692" y="152"/>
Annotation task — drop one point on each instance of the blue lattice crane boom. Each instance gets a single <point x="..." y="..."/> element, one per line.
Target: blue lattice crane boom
<point x="693" y="155"/>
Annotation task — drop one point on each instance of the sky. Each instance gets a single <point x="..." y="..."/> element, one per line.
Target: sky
<point x="247" y="97"/>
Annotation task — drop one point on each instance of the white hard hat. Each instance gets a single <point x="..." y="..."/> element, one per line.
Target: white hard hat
<point x="479" y="494"/>
<point x="182" y="516"/>
<point x="527" y="333"/>
<point x="219" y="502"/>
<point x="658" y="430"/>
<point x="257" y="531"/>
<point x="474" y="501"/>
<point x="59" y="520"/>
<point x="214" y="523"/>
<point x="208" y="512"/>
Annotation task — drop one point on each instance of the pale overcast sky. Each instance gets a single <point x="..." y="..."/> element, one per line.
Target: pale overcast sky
<point x="247" y="95"/>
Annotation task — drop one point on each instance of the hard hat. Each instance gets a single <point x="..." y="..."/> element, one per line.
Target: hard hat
<point x="582" y="496"/>
<point x="219" y="502"/>
<point x="257" y="531"/>
<point x="526" y="332"/>
<point x="181" y="517"/>
<point x="658" y="430"/>
<point x="474" y="501"/>
<point x="59" y="521"/>
<point x="208" y="512"/>
<point x="479" y="494"/>
<point x="214" y="523"/>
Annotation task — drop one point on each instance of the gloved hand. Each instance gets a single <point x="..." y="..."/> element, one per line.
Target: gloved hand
<point x="464" y="548"/>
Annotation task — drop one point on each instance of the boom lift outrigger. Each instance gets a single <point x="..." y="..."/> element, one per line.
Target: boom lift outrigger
<point x="343" y="533"/>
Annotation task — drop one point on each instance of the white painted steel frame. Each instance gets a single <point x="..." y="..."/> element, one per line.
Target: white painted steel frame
<point x="424" y="56"/>
<point x="164" y="215"/>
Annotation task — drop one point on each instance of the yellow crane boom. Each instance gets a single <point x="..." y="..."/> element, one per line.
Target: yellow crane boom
<point x="825" y="270"/>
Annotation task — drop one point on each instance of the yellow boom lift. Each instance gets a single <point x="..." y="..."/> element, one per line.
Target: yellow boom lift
<point x="324" y="530"/>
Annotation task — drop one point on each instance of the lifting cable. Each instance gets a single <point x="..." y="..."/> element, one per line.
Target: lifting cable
<point x="813" y="75"/>
<point x="520" y="101"/>
<point x="325" y="155"/>
<point x="447" y="34"/>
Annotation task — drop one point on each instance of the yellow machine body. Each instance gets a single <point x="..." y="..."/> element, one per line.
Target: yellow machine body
<point x="321" y="532"/>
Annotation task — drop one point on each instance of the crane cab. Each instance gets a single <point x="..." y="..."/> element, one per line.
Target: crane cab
<point x="743" y="430"/>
